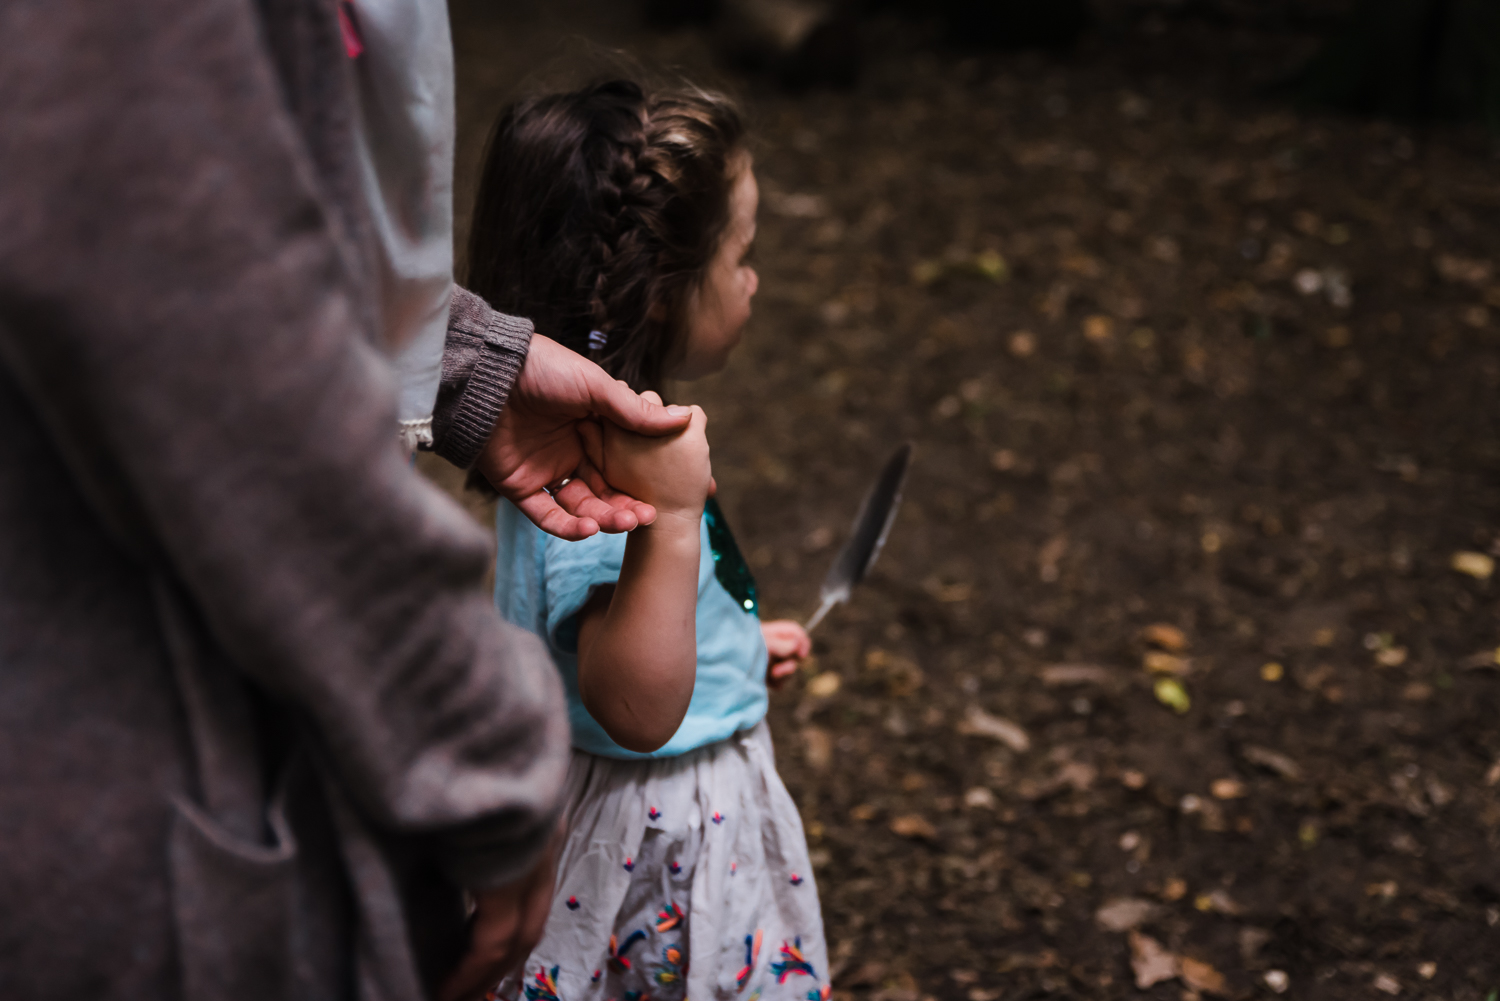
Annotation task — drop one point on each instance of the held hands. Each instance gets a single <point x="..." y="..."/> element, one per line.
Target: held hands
<point x="788" y="645"/>
<point x="538" y="441"/>
<point x="671" y="472"/>
<point x="507" y="924"/>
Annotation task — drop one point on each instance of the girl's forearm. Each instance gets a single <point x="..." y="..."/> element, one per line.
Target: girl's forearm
<point x="638" y="658"/>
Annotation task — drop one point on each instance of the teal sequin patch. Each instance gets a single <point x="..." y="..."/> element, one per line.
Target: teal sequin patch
<point x="729" y="565"/>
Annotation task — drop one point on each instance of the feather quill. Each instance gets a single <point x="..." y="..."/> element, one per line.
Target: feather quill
<point x="877" y="512"/>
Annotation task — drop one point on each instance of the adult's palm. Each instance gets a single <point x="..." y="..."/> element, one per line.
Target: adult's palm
<point x="539" y="440"/>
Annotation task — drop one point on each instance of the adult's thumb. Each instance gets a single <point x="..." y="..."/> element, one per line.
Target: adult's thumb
<point x="617" y="402"/>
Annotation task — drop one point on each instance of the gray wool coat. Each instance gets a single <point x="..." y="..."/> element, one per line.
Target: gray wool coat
<point x="258" y="722"/>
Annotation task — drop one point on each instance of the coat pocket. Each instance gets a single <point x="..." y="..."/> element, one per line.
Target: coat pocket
<point x="233" y="901"/>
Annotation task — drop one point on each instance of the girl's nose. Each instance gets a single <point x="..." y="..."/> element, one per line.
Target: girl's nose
<point x="753" y="283"/>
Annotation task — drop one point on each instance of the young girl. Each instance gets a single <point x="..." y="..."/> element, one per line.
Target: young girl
<point x="620" y="222"/>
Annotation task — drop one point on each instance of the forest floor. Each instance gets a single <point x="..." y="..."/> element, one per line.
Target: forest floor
<point x="1167" y="671"/>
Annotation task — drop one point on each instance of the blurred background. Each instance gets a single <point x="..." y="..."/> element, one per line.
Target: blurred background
<point x="1182" y="666"/>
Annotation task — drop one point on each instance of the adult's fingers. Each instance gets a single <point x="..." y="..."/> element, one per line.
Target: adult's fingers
<point x="614" y="511"/>
<point x="616" y="401"/>
<point x="579" y="500"/>
<point x="545" y="513"/>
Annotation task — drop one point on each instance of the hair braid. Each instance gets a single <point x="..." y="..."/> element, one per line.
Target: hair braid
<point x="600" y="210"/>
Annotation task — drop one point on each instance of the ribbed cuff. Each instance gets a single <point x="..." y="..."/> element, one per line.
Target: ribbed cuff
<point x="482" y="359"/>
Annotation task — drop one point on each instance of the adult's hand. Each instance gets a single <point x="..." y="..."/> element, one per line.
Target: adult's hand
<point x="537" y="442"/>
<point x="507" y="924"/>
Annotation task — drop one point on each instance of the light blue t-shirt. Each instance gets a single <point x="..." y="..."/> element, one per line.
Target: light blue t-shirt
<point x="540" y="584"/>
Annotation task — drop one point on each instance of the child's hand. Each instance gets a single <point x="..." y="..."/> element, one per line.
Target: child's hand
<point x="787" y="643"/>
<point x="672" y="473"/>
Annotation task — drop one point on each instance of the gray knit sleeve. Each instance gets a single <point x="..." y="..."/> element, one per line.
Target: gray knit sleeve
<point x="482" y="358"/>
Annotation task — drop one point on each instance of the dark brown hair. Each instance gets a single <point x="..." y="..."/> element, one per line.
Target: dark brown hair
<point x="600" y="210"/>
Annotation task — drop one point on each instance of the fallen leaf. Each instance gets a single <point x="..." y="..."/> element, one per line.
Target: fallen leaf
<point x="1387" y="984"/>
<point x="1200" y="976"/>
<point x="979" y="798"/>
<point x="868" y="974"/>
<point x="1169" y="692"/>
<point x="1078" y="774"/>
<point x="1391" y="656"/>
<point x="1124" y="914"/>
<point x="1151" y="961"/>
<point x="1227" y="789"/>
<point x="824" y="685"/>
<point x="864" y="811"/>
<point x="1274" y="761"/>
<point x="1057" y="675"/>
<point x="1166" y="636"/>
<point x="1277" y="980"/>
<point x="1217" y="902"/>
<point x="978" y="723"/>
<point x="913" y="825"/>
<point x="817" y="748"/>
<point x="1476" y="565"/>
<point x="1099" y="327"/>
<point x="1023" y="344"/>
<point x="1158" y="662"/>
<point x="1492" y="777"/>
<point x="1271" y="671"/>
<point x="1174" y="889"/>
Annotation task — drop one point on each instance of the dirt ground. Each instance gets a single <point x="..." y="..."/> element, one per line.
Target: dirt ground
<point x="1205" y="398"/>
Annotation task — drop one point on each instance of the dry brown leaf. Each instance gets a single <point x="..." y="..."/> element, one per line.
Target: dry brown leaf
<point x="1476" y="565"/>
<point x="824" y="685"/>
<point x="1124" y="914"/>
<point x="1227" y="789"/>
<point x="978" y="723"/>
<point x="1166" y="636"/>
<point x="914" y="825"/>
<point x="817" y="748"/>
<point x="1151" y="961"/>
<point x="1273" y="760"/>
<point x="1057" y="675"/>
<point x="1201" y="976"/>
<point x="1158" y="662"/>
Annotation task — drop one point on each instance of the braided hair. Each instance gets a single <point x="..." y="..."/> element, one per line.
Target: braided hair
<point x="598" y="214"/>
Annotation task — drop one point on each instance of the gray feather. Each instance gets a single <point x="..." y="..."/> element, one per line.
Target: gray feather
<point x="877" y="512"/>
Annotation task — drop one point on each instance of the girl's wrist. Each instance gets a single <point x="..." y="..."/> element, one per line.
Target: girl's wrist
<point x="674" y="524"/>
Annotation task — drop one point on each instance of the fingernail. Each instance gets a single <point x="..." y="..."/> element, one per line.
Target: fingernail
<point x="677" y="410"/>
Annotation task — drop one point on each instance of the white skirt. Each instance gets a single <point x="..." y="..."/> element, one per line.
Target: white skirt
<point x="681" y="877"/>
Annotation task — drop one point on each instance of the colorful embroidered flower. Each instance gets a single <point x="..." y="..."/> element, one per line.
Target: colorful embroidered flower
<point x="572" y="903"/>
<point x="653" y="813"/>
<point x="732" y="867"/>
<point x="668" y="919"/>
<point x="796" y="879"/>
<point x="793" y="962"/>
<point x="672" y="969"/>
<point x="718" y="817"/>
<point x="752" y="953"/>
<point x="545" y="988"/>
<point x="675" y="867"/>
<point x="595" y="978"/>
<point x="820" y="993"/>
<point x="629" y="864"/>
<point x="618" y="961"/>
<point x="637" y="996"/>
